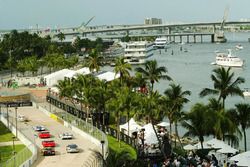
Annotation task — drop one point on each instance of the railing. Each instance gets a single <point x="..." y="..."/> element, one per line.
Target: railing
<point x="74" y="113"/>
<point x="25" y="157"/>
<point x="17" y="159"/>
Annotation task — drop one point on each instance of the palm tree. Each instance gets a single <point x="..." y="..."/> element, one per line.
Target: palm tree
<point x="122" y="68"/>
<point x="175" y="99"/>
<point x="196" y="122"/>
<point x="224" y="85"/>
<point x="241" y="116"/>
<point x="94" y="61"/>
<point x="153" y="73"/>
<point x="61" y="36"/>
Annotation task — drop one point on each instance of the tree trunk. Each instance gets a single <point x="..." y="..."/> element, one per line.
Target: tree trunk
<point x="128" y="122"/>
<point x="177" y="134"/>
<point x="245" y="139"/>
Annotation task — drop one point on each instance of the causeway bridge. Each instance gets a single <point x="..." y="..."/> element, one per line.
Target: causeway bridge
<point x="172" y="30"/>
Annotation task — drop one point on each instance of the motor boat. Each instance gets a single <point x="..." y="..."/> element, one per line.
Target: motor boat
<point x="161" y="43"/>
<point x="228" y="60"/>
<point x="246" y="92"/>
<point x="239" y="47"/>
<point x="138" y="52"/>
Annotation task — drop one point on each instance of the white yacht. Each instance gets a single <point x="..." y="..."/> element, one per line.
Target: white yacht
<point x="246" y="92"/>
<point x="138" y="52"/>
<point x="229" y="60"/>
<point x="239" y="47"/>
<point x="161" y="43"/>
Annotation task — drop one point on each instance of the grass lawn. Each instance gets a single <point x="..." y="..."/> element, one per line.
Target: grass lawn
<point x="6" y="152"/>
<point x="5" y="134"/>
<point x="114" y="146"/>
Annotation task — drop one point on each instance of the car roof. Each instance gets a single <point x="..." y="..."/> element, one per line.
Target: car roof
<point x="72" y="145"/>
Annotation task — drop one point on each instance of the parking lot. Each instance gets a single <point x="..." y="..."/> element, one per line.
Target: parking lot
<point x="62" y="158"/>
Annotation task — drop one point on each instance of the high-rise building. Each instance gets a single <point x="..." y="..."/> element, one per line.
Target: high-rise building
<point x="150" y="21"/>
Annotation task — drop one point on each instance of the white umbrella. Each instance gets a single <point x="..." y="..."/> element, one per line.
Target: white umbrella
<point x="242" y="159"/>
<point x="189" y="147"/>
<point x="205" y="145"/>
<point x="215" y="143"/>
<point x="227" y="149"/>
<point x="164" y="124"/>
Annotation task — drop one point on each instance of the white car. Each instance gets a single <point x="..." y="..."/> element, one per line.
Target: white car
<point x="66" y="135"/>
<point x="72" y="148"/>
<point x="21" y="118"/>
<point x="39" y="128"/>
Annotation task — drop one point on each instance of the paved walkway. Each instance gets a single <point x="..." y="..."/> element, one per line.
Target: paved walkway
<point x="10" y="143"/>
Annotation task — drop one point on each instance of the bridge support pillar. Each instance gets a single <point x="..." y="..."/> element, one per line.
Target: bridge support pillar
<point x="180" y="38"/>
<point x="194" y="38"/>
<point x="169" y="30"/>
<point x="201" y="39"/>
<point x="212" y="38"/>
<point x="187" y="38"/>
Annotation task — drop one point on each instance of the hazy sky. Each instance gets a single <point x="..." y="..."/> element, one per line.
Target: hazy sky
<point x="64" y="13"/>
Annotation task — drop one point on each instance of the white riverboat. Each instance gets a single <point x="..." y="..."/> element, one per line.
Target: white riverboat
<point x="161" y="43"/>
<point x="228" y="60"/>
<point x="246" y="92"/>
<point x="138" y="52"/>
<point x="239" y="47"/>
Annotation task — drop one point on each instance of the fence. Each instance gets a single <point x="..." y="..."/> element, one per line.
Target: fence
<point x="74" y="113"/>
<point x="26" y="156"/>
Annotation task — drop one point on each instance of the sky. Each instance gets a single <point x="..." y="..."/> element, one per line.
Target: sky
<point x="16" y="14"/>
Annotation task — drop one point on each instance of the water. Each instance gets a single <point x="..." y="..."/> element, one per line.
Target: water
<point x="192" y="69"/>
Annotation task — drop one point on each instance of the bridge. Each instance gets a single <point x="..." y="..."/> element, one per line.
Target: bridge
<point x="119" y="31"/>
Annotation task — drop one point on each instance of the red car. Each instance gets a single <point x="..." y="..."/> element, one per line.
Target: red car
<point x="48" y="143"/>
<point x="43" y="135"/>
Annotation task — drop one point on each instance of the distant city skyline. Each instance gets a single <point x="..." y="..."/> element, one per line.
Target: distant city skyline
<point x="17" y="14"/>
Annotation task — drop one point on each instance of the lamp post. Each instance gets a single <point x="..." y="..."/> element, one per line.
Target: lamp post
<point x="10" y="63"/>
<point x="102" y="142"/>
<point x="49" y="100"/>
<point x="143" y="134"/>
<point x="14" y="150"/>
<point x="16" y="119"/>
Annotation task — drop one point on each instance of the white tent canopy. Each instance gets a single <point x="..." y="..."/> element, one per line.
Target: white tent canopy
<point x="107" y="75"/>
<point x="150" y="136"/>
<point x="242" y="159"/>
<point x="133" y="127"/>
<point x="205" y="145"/>
<point x="215" y="143"/>
<point x="164" y="124"/>
<point x="52" y="78"/>
<point x="83" y="71"/>
<point x="227" y="149"/>
<point x="189" y="147"/>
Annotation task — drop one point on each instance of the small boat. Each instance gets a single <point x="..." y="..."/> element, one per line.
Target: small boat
<point x="228" y="60"/>
<point x="239" y="47"/>
<point x="161" y="43"/>
<point x="246" y="92"/>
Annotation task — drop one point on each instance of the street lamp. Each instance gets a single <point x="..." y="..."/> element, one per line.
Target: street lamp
<point x="143" y="134"/>
<point x="14" y="150"/>
<point x="102" y="142"/>
<point x="16" y="119"/>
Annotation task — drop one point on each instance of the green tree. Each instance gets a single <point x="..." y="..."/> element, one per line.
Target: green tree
<point x="224" y="85"/>
<point x="94" y="61"/>
<point x="122" y="68"/>
<point x="61" y="36"/>
<point x="196" y="122"/>
<point x="175" y="99"/>
<point x="241" y="116"/>
<point x="153" y="73"/>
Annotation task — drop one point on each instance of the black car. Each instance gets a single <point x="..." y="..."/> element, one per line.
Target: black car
<point x="48" y="151"/>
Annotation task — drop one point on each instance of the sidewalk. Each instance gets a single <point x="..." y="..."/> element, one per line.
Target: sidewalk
<point x="10" y="143"/>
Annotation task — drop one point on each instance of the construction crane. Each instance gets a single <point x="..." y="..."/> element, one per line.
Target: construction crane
<point x="224" y="18"/>
<point x="83" y="25"/>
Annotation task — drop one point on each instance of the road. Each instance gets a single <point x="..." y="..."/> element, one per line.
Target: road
<point x="62" y="158"/>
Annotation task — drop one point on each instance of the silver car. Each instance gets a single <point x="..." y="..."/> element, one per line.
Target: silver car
<point x="72" y="148"/>
<point x="66" y="135"/>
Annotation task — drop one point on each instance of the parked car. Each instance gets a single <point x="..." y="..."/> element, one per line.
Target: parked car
<point x="44" y="134"/>
<point x="72" y="148"/>
<point x="21" y="118"/>
<point x="39" y="128"/>
<point x="48" y="143"/>
<point x="66" y="135"/>
<point x="48" y="151"/>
